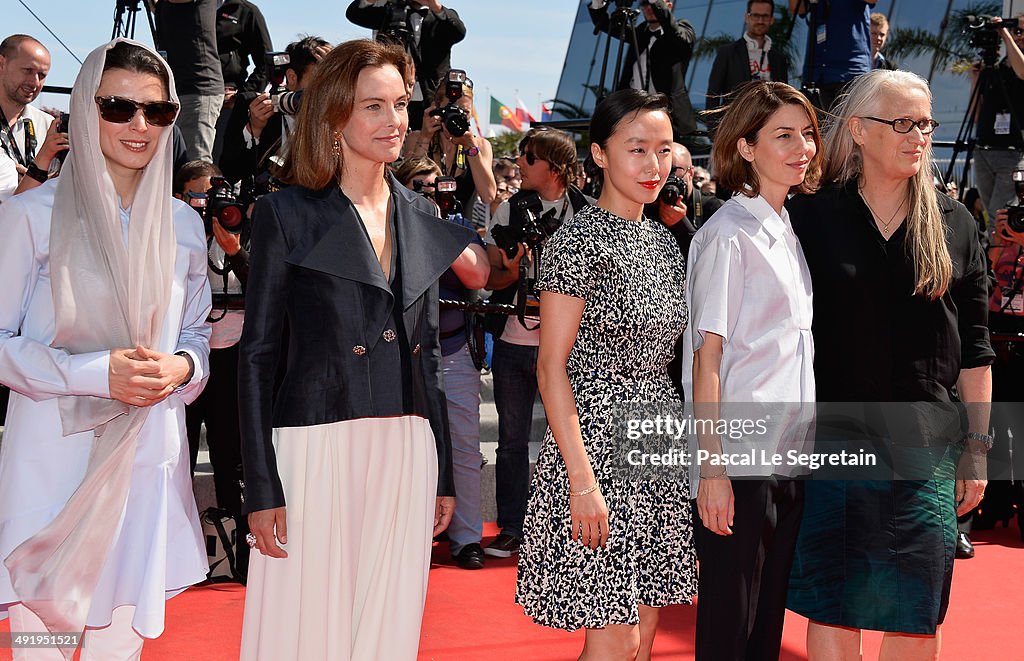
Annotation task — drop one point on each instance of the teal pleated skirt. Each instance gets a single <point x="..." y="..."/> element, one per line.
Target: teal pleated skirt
<point x="878" y="554"/>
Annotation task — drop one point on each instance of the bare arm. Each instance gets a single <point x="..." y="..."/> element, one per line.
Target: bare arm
<point x="562" y="315"/>
<point x="472" y="267"/>
<point x="715" y="503"/>
<point x="975" y="389"/>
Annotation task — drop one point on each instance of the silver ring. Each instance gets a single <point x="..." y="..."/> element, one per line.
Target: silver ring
<point x="250" y="539"/>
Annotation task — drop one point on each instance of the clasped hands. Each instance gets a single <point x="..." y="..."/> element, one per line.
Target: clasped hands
<point x="144" y="377"/>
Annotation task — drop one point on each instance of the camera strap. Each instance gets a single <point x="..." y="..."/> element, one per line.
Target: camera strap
<point x="11" y="144"/>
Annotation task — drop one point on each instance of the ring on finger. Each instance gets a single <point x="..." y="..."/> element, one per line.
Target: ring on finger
<point x="250" y="539"/>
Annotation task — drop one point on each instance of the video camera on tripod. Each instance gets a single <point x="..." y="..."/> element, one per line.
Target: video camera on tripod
<point x="984" y="31"/>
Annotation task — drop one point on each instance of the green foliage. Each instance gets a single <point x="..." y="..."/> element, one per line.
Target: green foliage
<point x="506" y="144"/>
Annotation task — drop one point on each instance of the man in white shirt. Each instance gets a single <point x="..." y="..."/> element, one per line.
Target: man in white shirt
<point x="24" y="65"/>
<point x="547" y="164"/>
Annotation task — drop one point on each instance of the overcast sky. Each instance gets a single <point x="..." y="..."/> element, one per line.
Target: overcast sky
<point x="511" y="47"/>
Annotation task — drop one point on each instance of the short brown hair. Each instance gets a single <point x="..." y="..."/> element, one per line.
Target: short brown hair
<point x="326" y="107"/>
<point x="414" y="167"/>
<point x="749" y="111"/>
<point x="555" y="147"/>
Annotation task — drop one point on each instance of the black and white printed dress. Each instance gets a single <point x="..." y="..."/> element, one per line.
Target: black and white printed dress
<point x="631" y="275"/>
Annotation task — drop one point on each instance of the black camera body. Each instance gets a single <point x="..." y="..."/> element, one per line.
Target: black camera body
<point x="985" y="34"/>
<point x="1015" y="212"/>
<point x="675" y="188"/>
<point x="453" y="117"/>
<point x="220" y="203"/>
<point x="533" y="232"/>
<point x="396" y="22"/>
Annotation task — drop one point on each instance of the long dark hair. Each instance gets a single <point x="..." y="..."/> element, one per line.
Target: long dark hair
<point x="136" y="59"/>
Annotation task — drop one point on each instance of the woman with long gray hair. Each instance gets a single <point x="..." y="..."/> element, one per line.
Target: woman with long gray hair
<point x="899" y="317"/>
<point x="102" y="343"/>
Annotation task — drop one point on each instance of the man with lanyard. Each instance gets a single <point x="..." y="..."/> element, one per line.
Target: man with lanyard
<point x="24" y="65"/>
<point x="838" y="46"/>
<point x="748" y="58"/>
<point x="547" y="162"/>
<point x="432" y="31"/>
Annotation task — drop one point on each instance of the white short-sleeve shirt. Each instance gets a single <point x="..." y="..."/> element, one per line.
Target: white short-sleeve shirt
<point x="747" y="281"/>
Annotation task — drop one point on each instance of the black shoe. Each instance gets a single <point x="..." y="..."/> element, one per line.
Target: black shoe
<point x="503" y="546"/>
<point x="964" y="548"/>
<point x="470" y="557"/>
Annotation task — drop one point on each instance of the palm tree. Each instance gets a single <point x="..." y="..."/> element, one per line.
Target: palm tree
<point x="950" y="47"/>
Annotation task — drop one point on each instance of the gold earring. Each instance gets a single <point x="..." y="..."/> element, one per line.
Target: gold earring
<point x="336" y="147"/>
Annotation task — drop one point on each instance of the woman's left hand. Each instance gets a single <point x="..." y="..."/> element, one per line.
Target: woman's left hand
<point x="971" y="472"/>
<point x="444" y="508"/>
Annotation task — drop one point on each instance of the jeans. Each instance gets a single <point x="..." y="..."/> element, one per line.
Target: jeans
<point x="515" y="390"/>
<point x="462" y="388"/>
<point x="992" y="170"/>
<point x="197" y="120"/>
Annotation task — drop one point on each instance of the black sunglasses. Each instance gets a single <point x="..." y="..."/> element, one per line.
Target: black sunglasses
<point x="532" y="158"/>
<point x="118" y="110"/>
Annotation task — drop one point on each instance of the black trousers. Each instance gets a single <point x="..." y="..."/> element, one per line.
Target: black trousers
<point x="744" y="577"/>
<point x="217" y="406"/>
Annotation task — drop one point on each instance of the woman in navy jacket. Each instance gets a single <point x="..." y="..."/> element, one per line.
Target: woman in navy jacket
<point x="343" y="460"/>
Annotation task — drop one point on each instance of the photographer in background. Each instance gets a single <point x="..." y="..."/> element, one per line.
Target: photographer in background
<point x="447" y="139"/>
<point x="187" y="31"/>
<point x="547" y="165"/>
<point x="682" y="207"/>
<point x="428" y="31"/>
<point x="217" y="405"/>
<point x="461" y="376"/>
<point x="659" y="63"/>
<point x="242" y="40"/>
<point x="838" y="46"/>
<point x="999" y="148"/>
<point x="257" y="133"/>
<point x="24" y="163"/>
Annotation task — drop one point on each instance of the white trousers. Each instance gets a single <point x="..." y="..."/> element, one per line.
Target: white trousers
<point x="116" y="642"/>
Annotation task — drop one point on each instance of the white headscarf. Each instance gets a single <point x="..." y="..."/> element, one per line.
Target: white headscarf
<point x="106" y="295"/>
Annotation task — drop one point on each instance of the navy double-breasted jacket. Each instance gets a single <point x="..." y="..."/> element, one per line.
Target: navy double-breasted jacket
<point x="355" y="348"/>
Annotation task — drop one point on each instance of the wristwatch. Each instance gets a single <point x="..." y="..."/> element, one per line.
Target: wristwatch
<point x="984" y="439"/>
<point x="473" y="151"/>
<point x="37" y="173"/>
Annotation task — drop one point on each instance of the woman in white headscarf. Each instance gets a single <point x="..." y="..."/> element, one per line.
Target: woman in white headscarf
<point x="102" y="342"/>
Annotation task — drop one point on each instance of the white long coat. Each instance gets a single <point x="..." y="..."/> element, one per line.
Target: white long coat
<point x="158" y="551"/>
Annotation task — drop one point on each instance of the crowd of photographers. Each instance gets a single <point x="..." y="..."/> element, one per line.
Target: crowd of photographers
<point x="239" y="105"/>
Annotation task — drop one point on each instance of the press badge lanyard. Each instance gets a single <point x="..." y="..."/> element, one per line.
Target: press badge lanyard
<point x="30" y="141"/>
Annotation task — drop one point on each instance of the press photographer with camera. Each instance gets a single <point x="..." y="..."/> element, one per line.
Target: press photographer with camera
<point x="426" y="29"/>
<point x="1006" y="324"/>
<point x="681" y="206"/>
<point x="447" y="139"/>
<point x="257" y="134"/>
<point x="217" y="405"/>
<point x="546" y="199"/>
<point x="999" y="148"/>
<point x="659" y="58"/>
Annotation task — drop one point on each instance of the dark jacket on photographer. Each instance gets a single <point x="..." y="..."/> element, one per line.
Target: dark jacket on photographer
<point x="431" y="51"/>
<point x="242" y="39"/>
<point x="993" y="131"/>
<point x="245" y="157"/>
<point x="667" y="52"/>
<point x="357" y="328"/>
<point x="517" y="218"/>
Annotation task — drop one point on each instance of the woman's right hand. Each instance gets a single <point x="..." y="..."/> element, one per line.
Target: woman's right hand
<point x="269" y="527"/>
<point x="715" y="505"/>
<point x="589" y="515"/>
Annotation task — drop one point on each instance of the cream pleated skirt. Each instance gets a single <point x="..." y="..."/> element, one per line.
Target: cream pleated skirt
<point x="359" y="513"/>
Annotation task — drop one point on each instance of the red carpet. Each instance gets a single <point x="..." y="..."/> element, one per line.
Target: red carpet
<point x="470" y="616"/>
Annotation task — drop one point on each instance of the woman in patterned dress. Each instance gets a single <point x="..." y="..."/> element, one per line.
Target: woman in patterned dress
<point x="600" y="551"/>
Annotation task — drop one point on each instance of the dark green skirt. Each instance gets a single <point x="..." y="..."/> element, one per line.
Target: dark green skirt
<point x="877" y="554"/>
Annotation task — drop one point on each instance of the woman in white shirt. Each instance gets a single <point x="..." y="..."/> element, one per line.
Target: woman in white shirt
<point x="749" y="341"/>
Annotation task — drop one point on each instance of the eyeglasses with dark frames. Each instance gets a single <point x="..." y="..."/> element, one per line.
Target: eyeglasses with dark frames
<point x="759" y="17"/>
<point x="119" y="110"/>
<point x="906" y="125"/>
